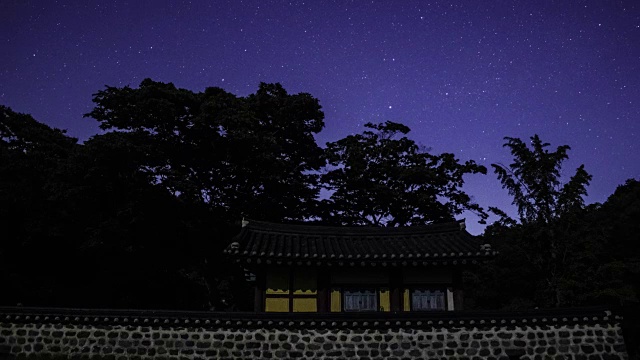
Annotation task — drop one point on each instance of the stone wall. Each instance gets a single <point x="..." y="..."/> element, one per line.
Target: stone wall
<point x="83" y="335"/>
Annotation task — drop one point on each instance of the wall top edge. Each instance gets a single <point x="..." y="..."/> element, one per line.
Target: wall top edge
<point x="537" y="317"/>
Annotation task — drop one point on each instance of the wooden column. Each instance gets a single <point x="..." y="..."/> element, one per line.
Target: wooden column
<point x="323" y="283"/>
<point x="458" y="293"/>
<point x="396" y="289"/>
<point x="258" y="292"/>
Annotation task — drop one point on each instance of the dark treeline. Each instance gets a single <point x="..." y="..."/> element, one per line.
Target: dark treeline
<point x="137" y="216"/>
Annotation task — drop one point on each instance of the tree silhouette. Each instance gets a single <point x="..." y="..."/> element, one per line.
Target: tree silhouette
<point x="533" y="180"/>
<point x="379" y="179"/>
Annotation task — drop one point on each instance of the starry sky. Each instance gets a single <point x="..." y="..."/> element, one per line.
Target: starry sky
<point x="461" y="74"/>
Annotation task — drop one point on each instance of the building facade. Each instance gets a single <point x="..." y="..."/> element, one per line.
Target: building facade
<point x="307" y="268"/>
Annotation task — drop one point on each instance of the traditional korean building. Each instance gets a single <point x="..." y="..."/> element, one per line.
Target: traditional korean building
<point x="310" y="268"/>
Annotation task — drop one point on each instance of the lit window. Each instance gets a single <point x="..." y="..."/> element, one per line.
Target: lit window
<point x="360" y="300"/>
<point x="428" y="300"/>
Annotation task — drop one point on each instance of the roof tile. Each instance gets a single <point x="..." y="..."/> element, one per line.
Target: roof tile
<point x="287" y="242"/>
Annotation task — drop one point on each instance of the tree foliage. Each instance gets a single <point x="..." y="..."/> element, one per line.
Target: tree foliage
<point x="534" y="181"/>
<point x="242" y="156"/>
<point x="86" y="214"/>
<point x="598" y="262"/>
<point x="543" y="247"/>
<point x="566" y="254"/>
<point x="29" y="153"/>
<point x="383" y="178"/>
<point x="614" y="228"/>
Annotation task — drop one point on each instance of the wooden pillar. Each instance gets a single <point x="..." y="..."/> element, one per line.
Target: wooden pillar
<point x="396" y="289"/>
<point x="323" y="283"/>
<point x="291" y="288"/>
<point x="258" y="292"/>
<point x="458" y="294"/>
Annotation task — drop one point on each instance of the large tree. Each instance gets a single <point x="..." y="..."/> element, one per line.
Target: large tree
<point x="220" y="158"/>
<point x="248" y="156"/>
<point x="135" y="239"/>
<point x="614" y="232"/>
<point x="534" y="181"/>
<point x="30" y="154"/>
<point x="89" y="227"/>
<point x="543" y="246"/>
<point x="382" y="178"/>
<point x="599" y="262"/>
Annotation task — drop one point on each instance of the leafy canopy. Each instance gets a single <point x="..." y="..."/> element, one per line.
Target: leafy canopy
<point x="242" y="156"/>
<point x="546" y="249"/>
<point x="383" y="178"/>
<point x="533" y="179"/>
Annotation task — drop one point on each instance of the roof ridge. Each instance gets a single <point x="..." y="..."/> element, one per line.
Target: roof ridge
<point x="453" y="226"/>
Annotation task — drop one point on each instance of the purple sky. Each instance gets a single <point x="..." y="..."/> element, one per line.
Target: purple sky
<point x="461" y="74"/>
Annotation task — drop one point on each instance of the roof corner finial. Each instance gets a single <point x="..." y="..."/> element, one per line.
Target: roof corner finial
<point x="462" y="224"/>
<point x="244" y="222"/>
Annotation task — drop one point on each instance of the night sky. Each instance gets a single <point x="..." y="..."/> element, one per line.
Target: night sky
<point x="461" y="74"/>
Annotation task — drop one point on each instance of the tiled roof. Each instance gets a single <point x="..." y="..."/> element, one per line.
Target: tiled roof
<point x="442" y="244"/>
